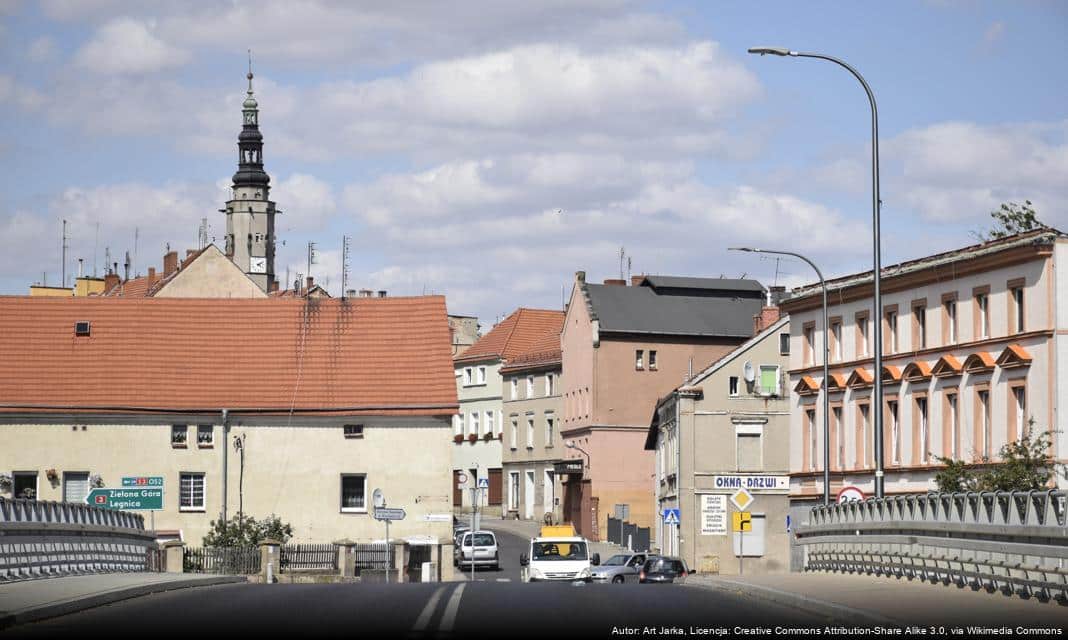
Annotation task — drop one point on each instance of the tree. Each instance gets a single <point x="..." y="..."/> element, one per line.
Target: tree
<point x="245" y="531"/>
<point x="1012" y="218"/>
<point x="1026" y="465"/>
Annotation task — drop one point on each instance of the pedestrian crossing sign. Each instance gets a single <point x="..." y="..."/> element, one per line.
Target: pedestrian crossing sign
<point x="483" y="483"/>
<point x="671" y="516"/>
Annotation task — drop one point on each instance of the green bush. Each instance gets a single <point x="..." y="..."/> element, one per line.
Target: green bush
<point x="246" y="531"/>
<point x="1025" y="465"/>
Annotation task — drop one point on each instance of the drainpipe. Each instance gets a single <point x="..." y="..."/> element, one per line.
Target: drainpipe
<point x="225" y="458"/>
<point x="678" y="471"/>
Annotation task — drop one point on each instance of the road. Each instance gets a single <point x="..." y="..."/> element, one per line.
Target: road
<point x="510" y="546"/>
<point x="459" y="609"/>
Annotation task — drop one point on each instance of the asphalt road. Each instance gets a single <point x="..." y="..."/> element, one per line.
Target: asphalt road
<point x="458" y="609"/>
<point x="510" y="546"/>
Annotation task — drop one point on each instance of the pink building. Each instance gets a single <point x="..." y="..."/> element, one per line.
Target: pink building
<point x="624" y="347"/>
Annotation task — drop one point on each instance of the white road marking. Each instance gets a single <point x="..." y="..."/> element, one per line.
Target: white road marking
<point x="428" y="610"/>
<point x="504" y="579"/>
<point x="450" y="610"/>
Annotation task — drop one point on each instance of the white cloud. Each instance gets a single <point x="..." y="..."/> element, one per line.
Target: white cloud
<point x="307" y="202"/>
<point x="42" y="49"/>
<point x="126" y="45"/>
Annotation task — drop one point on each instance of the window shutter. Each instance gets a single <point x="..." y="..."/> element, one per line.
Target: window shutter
<point x="75" y="487"/>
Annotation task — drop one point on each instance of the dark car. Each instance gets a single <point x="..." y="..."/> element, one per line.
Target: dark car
<point x="662" y="570"/>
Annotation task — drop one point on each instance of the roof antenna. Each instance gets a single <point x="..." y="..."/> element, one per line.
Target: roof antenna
<point x="250" y="71"/>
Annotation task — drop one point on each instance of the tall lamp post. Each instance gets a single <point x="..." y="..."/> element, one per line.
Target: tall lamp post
<point x="877" y="254"/>
<point x="826" y="376"/>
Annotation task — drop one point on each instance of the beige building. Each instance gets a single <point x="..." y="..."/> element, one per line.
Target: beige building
<point x="287" y="407"/>
<point x="975" y="347"/>
<point x="724" y="430"/>
<point x="532" y="445"/>
<point x="206" y="273"/>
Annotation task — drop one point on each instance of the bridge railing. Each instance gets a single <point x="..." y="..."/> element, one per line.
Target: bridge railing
<point x="1013" y="542"/>
<point x="41" y="539"/>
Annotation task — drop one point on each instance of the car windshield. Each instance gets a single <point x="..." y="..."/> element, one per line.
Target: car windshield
<point x="560" y="551"/>
<point x="481" y="540"/>
<point x="615" y="561"/>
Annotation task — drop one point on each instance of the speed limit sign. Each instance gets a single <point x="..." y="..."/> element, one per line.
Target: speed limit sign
<point x="461" y="480"/>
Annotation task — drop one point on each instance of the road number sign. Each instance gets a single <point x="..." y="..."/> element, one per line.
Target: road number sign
<point x="741" y="499"/>
<point x="742" y="521"/>
<point x="135" y="499"/>
<point x="142" y="481"/>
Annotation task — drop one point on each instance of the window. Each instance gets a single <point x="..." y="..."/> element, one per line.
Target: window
<point x="513" y="490"/>
<point x="919" y="326"/>
<point x="982" y="316"/>
<point x="862" y="335"/>
<point x="354" y="430"/>
<point x="191" y="492"/>
<point x="810" y="429"/>
<point x="769" y="379"/>
<point x="808" y="333"/>
<point x="515" y="432"/>
<point x="921" y="449"/>
<point x="205" y="435"/>
<point x="652" y="361"/>
<point x="549" y="384"/>
<point x="353" y="493"/>
<point x="530" y="386"/>
<point x="784" y="344"/>
<point x="895" y="432"/>
<point x="515" y="388"/>
<point x="467" y="375"/>
<point x="530" y="431"/>
<point x="638" y="362"/>
<point x="1020" y="424"/>
<point x="949" y="319"/>
<point x="550" y="429"/>
<point x="732" y="384"/>
<point x="836" y="340"/>
<point x="75" y="486"/>
<point x="951" y="437"/>
<point x="482" y="375"/>
<point x="837" y="438"/>
<point x="24" y="485"/>
<point x="474" y="423"/>
<point x="864" y="453"/>
<point x="891" y="331"/>
<point x="458" y="425"/>
<point x="982" y="422"/>
<point x="489" y="423"/>
<point x="179" y="433"/>
<point x="1016" y="307"/>
<point x="748" y="448"/>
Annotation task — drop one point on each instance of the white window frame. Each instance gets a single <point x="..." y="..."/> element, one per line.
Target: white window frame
<point x="1017" y="294"/>
<point x="474" y="423"/>
<point x="777" y="391"/>
<point x="548" y="384"/>
<point x="836" y="333"/>
<point x="530" y="431"/>
<point x="183" y="440"/>
<point x="25" y="474"/>
<point x="515" y="388"/>
<point x="982" y="302"/>
<point x="515" y="432"/>
<point x="919" y="312"/>
<point x="550" y="428"/>
<point x="482" y="375"/>
<point x="864" y="337"/>
<point x="984" y="409"/>
<point x="839" y="436"/>
<point x="639" y="359"/>
<point x="652" y="360"/>
<point x="513" y="490"/>
<point x="891" y="327"/>
<point x="487" y="426"/>
<point x="924" y="409"/>
<point x="203" y="492"/>
<point x="953" y="400"/>
<point x="732" y="386"/>
<point x="341" y="493"/>
<point x="951" y="318"/>
<point x="210" y="430"/>
<point x="894" y="409"/>
<point x="784" y="344"/>
<point x="458" y="424"/>
<point x="530" y="386"/>
<point x="748" y="431"/>
<point x="467" y="376"/>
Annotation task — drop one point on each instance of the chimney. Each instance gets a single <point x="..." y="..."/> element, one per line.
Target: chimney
<point x="311" y="282"/>
<point x="170" y="263"/>
<point x="381" y="293"/>
<point x="111" y="280"/>
<point x="776" y="295"/>
<point x="769" y="315"/>
<point x="636" y="280"/>
<point x="81" y="263"/>
<point x="350" y="293"/>
<point x="366" y="293"/>
<point x="151" y="275"/>
<point x="615" y="282"/>
<point x="273" y="286"/>
<point x="296" y="286"/>
<point x="580" y="276"/>
<point x="188" y="254"/>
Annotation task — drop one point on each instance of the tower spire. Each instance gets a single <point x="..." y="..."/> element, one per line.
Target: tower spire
<point x="250" y="72"/>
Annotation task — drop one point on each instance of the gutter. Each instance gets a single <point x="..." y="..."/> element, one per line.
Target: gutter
<point x="207" y="410"/>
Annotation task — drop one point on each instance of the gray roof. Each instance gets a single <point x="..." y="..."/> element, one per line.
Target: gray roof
<point x="705" y="284"/>
<point x="643" y="309"/>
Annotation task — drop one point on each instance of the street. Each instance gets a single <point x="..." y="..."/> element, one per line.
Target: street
<point x="510" y="546"/>
<point x="420" y="610"/>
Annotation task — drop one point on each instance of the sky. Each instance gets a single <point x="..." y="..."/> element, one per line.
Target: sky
<point x="488" y="150"/>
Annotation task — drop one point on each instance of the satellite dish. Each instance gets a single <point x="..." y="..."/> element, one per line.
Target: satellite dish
<point x="747" y="372"/>
<point x="378" y="498"/>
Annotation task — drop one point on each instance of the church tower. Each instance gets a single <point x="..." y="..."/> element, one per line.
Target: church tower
<point x="249" y="212"/>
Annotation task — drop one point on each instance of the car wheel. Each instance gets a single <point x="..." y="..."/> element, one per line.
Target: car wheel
<point x="618" y="580"/>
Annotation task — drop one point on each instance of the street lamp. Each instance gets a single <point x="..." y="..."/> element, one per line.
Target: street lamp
<point x="826" y="376"/>
<point x="570" y="444"/>
<point x="877" y="297"/>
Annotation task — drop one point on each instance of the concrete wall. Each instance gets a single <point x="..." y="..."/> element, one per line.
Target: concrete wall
<point x="211" y="275"/>
<point x="294" y="472"/>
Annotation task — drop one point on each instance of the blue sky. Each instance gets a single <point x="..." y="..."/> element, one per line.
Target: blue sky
<point x="444" y="137"/>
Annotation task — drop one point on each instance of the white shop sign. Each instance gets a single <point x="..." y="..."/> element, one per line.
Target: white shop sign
<point x="713" y="515"/>
<point x="751" y="483"/>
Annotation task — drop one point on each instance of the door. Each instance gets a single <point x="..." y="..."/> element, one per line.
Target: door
<point x="528" y="497"/>
<point x="495" y="487"/>
<point x="548" y="492"/>
<point x="457" y="492"/>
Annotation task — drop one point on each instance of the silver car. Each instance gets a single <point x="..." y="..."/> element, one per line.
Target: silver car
<point x="477" y="549"/>
<point x="620" y="568"/>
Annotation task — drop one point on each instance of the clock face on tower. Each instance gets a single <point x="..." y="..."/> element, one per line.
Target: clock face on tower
<point x="250" y="118"/>
<point x="257" y="265"/>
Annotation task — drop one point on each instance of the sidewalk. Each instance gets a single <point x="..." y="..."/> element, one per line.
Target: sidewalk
<point x="30" y="600"/>
<point x="877" y="601"/>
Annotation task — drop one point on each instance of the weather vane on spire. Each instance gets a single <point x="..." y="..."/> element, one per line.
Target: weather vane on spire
<point x="250" y="71"/>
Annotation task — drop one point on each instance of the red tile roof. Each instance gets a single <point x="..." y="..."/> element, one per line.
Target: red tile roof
<point x="381" y="356"/>
<point x="514" y="335"/>
<point x="148" y="286"/>
<point x="545" y="351"/>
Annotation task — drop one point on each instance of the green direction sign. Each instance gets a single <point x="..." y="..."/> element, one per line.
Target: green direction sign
<point x="143" y="499"/>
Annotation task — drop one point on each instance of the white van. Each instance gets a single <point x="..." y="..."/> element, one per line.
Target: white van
<point x="558" y="559"/>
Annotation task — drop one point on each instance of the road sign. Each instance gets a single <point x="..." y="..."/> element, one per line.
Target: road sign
<point x="671" y="516"/>
<point x="742" y="499"/>
<point x="742" y="521"/>
<point x="849" y="494"/>
<point x="389" y="514"/>
<point x="461" y="478"/>
<point x="145" y="499"/>
<point x="142" y="481"/>
<point x="483" y="483"/>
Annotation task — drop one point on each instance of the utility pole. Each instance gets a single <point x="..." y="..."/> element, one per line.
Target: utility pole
<point x="311" y="256"/>
<point x="345" y="244"/>
<point x="63" y="271"/>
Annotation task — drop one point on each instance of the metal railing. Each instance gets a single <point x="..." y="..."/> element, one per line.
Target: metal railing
<point x="309" y="557"/>
<point x="1013" y="542"/>
<point x="236" y="561"/>
<point x="40" y="539"/>
<point x="374" y="557"/>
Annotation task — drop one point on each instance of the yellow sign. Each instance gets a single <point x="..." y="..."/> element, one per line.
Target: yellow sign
<point x="743" y="521"/>
<point x="742" y="499"/>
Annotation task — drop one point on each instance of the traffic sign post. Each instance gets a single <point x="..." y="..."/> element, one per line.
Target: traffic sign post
<point x="146" y="499"/>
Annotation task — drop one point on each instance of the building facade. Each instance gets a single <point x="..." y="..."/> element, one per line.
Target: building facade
<point x="284" y="407"/>
<point x="624" y="347"/>
<point x="478" y="427"/>
<point x="532" y="445"/>
<point x="728" y="428"/>
<point x="975" y="354"/>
